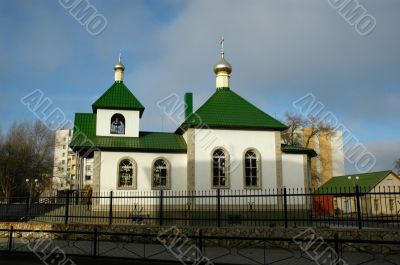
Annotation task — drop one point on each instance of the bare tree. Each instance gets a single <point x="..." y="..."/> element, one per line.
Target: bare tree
<point x="12" y="159"/>
<point x="42" y="153"/>
<point x="294" y="122"/>
<point x="397" y="166"/>
<point x="301" y="131"/>
<point x="26" y="153"/>
<point x="297" y="124"/>
<point x="317" y="126"/>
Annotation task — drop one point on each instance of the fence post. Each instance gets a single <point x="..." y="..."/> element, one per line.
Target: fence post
<point x="200" y="242"/>
<point x="66" y="208"/>
<point x="358" y="207"/>
<point x="310" y="205"/>
<point x="95" y="242"/>
<point x="218" y="207"/>
<point x="110" y="216"/>
<point x="27" y="207"/>
<point x="161" y="208"/>
<point x="10" y="239"/>
<point x="285" y="213"/>
<point x="336" y="238"/>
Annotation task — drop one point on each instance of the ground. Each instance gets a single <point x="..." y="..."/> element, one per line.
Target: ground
<point x="29" y="259"/>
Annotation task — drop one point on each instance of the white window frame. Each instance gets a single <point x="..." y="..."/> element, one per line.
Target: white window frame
<point x="134" y="174"/>
<point x="168" y="174"/>
<point x="258" y="168"/>
<point x="226" y="168"/>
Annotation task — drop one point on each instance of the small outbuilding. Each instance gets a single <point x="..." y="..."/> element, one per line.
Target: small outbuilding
<point x="378" y="192"/>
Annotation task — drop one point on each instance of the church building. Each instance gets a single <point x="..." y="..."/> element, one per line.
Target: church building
<point x="227" y="143"/>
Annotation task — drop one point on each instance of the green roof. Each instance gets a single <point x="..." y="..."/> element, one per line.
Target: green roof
<point x="118" y="96"/>
<point x="227" y="110"/>
<point x="84" y="137"/>
<point x="366" y="182"/>
<point x="293" y="149"/>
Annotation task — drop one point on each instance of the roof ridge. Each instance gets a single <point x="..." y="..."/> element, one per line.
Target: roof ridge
<point x="360" y="174"/>
<point x="294" y="149"/>
<point x="366" y="183"/>
<point x="84" y="113"/>
<point x="158" y="132"/>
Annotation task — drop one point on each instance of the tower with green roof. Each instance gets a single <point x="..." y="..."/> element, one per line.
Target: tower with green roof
<point x="243" y="140"/>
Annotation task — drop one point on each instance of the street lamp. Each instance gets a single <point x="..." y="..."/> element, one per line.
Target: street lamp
<point x="30" y="186"/>
<point x="356" y="198"/>
<point x="355" y="180"/>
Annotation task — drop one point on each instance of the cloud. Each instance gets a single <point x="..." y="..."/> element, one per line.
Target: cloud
<point x="386" y="153"/>
<point x="279" y="50"/>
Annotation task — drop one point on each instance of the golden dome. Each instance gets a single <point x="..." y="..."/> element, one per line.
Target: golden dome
<point x="119" y="65"/>
<point x="222" y="66"/>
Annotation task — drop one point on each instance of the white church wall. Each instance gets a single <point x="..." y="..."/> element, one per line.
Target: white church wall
<point x="293" y="177"/>
<point x="293" y="171"/>
<point x="109" y="171"/>
<point x="236" y="143"/>
<point x="103" y="121"/>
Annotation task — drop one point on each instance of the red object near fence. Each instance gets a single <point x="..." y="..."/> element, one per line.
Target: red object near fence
<point x="323" y="205"/>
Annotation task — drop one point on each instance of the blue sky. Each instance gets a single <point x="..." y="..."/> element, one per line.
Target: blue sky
<point x="280" y="50"/>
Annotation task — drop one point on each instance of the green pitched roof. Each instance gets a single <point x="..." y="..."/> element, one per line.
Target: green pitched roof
<point x="118" y="96"/>
<point x="366" y="182"/>
<point x="227" y="110"/>
<point x="293" y="149"/>
<point x="84" y="137"/>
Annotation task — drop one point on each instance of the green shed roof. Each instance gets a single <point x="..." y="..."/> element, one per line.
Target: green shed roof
<point x="366" y="182"/>
<point x="293" y="149"/>
<point x="227" y="110"/>
<point x="118" y="96"/>
<point x="84" y="137"/>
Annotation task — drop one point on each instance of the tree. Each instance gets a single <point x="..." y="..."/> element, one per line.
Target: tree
<point x="42" y="154"/>
<point x="301" y="131"/>
<point x="397" y="166"/>
<point x="26" y="152"/>
<point x="294" y="122"/>
<point x="298" y="124"/>
<point x="317" y="126"/>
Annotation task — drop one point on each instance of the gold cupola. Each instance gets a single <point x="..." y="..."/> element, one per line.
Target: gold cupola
<point x="222" y="69"/>
<point x="119" y="69"/>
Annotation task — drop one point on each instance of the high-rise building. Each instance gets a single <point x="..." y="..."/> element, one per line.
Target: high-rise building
<point x="64" y="159"/>
<point x="65" y="164"/>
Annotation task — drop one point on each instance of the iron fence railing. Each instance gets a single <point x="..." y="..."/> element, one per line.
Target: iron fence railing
<point x="356" y="207"/>
<point x="64" y="247"/>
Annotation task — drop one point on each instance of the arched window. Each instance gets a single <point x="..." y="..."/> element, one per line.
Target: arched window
<point x="161" y="175"/>
<point x="251" y="169"/>
<point x="117" y="124"/>
<point x="220" y="169"/>
<point x="127" y="174"/>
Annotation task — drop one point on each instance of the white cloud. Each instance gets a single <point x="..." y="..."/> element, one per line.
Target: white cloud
<point x="386" y="153"/>
<point x="278" y="49"/>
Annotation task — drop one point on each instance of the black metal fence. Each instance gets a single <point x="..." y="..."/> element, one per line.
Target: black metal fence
<point x="64" y="247"/>
<point x="356" y="207"/>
